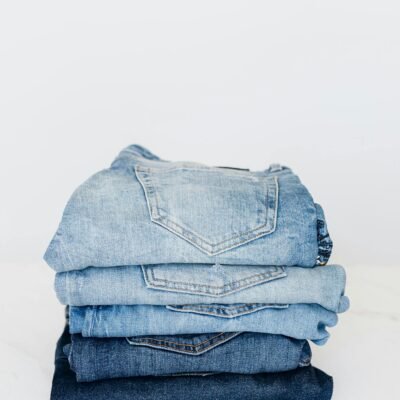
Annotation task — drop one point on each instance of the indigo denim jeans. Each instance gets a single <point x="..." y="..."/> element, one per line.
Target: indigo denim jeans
<point x="234" y="352"/>
<point x="306" y="383"/>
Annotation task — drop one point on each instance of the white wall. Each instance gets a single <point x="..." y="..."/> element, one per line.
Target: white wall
<point x="310" y="84"/>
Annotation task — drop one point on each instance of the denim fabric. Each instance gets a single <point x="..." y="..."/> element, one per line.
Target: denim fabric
<point x="299" y="321"/>
<point x="144" y="210"/>
<point x="243" y="353"/>
<point x="193" y="284"/>
<point x="305" y="383"/>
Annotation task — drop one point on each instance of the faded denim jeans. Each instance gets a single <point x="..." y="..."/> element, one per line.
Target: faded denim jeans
<point x="167" y="284"/>
<point x="144" y="210"/>
<point x="299" y="321"/>
<point x="305" y="383"/>
<point x="243" y="353"/>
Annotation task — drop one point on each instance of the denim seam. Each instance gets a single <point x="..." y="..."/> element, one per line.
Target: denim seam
<point x="167" y="221"/>
<point x="258" y="276"/>
<point x="193" y="374"/>
<point x="181" y="344"/>
<point x="158" y="344"/>
<point x="211" y="289"/>
<point x="248" y="306"/>
<point x="196" y="239"/>
<point x="227" y="316"/>
<point x="92" y="314"/>
<point x="216" y="170"/>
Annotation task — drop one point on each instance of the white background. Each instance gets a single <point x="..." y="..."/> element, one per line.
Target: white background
<point x="313" y="85"/>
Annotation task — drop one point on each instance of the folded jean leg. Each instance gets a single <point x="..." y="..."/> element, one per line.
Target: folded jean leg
<point x="164" y="284"/>
<point x="144" y="210"/>
<point x="299" y="321"/>
<point x="244" y="353"/>
<point x="305" y="383"/>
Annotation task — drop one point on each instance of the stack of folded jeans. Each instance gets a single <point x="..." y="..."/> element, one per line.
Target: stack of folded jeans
<point x="186" y="281"/>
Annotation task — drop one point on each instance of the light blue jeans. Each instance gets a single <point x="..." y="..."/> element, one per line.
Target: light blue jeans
<point x="299" y="321"/>
<point x="202" y="283"/>
<point x="144" y="210"/>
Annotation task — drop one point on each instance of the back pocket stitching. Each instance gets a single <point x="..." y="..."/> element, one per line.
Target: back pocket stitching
<point x="210" y="289"/>
<point x="209" y="311"/>
<point x="197" y="349"/>
<point x="151" y="195"/>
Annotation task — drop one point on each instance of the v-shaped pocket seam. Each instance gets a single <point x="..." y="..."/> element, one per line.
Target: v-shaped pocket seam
<point x="209" y="290"/>
<point x="183" y="348"/>
<point x="144" y="176"/>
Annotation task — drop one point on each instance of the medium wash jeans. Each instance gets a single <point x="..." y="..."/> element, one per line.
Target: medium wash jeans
<point x="305" y="383"/>
<point x="144" y="210"/>
<point x="243" y="353"/>
<point x="299" y="321"/>
<point x="201" y="283"/>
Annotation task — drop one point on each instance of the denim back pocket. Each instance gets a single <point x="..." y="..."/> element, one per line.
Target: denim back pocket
<point x="214" y="209"/>
<point x="224" y="310"/>
<point x="192" y="345"/>
<point x="206" y="279"/>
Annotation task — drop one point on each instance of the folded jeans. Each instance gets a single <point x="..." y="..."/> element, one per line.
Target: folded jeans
<point x="166" y="284"/>
<point x="144" y="210"/>
<point x="299" y="321"/>
<point x="306" y="383"/>
<point x="235" y="352"/>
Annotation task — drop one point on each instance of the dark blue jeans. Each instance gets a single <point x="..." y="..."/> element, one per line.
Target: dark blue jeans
<point x="305" y="383"/>
<point x="244" y="353"/>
